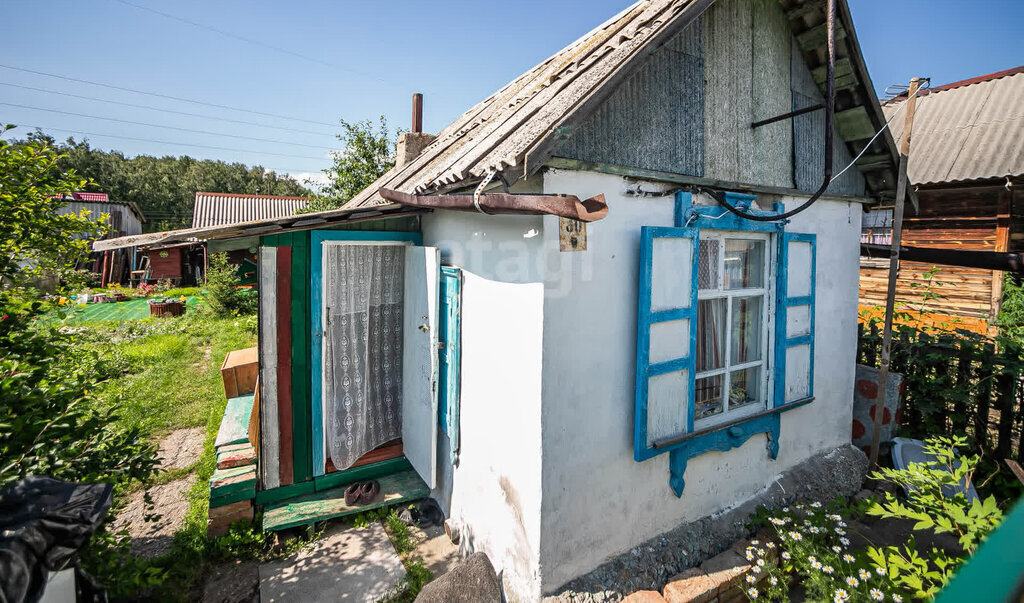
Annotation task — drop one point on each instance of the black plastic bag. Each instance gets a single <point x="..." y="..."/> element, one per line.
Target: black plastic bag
<point x="43" y="523"/>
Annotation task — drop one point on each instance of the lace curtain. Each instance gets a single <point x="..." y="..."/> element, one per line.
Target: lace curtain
<point x="362" y="348"/>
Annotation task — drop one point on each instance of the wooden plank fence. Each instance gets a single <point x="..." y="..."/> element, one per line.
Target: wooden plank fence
<point x="956" y="384"/>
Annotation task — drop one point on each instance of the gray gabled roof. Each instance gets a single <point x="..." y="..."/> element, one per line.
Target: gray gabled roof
<point x="515" y="129"/>
<point x="968" y="130"/>
<point x="506" y="130"/>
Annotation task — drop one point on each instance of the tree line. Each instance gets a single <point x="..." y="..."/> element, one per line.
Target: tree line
<point x="164" y="188"/>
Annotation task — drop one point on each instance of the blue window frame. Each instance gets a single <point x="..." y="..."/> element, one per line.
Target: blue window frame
<point x="665" y="396"/>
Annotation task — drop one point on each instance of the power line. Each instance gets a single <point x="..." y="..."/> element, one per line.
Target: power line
<point x="169" y="142"/>
<point x="167" y="96"/>
<point x="257" y="42"/>
<point x="152" y="108"/>
<point x="142" y="123"/>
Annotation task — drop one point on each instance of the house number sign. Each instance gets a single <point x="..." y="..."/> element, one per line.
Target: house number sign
<point x="572" y="235"/>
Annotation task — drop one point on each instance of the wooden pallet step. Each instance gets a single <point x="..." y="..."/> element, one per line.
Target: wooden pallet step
<point x="234" y="427"/>
<point x="234" y="480"/>
<point x="239" y="455"/>
<point x="395" y="488"/>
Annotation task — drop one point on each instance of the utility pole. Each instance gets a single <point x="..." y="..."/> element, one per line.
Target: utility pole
<point x="894" y="268"/>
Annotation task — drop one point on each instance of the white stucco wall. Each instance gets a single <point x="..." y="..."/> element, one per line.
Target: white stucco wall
<point x="494" y="493"/>
<point x="597" y="501"/>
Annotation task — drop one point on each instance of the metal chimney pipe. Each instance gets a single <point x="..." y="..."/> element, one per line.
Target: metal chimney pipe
<point x="417" y="113"/>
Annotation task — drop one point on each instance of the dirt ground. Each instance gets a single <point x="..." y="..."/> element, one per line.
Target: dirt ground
<point x="233" y="583"/>
<point x="179" y="450"/>
<point x="182" y="448"/>
<point x="152" y="539"/>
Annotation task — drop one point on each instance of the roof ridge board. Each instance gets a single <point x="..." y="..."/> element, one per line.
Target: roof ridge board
<point x="538" y="103"/>
<point x="209" y="194"/>
<point x="468" y="121"/>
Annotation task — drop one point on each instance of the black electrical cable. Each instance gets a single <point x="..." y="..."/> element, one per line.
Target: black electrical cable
<point x="830" y="25"/>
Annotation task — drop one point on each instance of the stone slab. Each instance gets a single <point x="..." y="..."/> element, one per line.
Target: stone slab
<point x="346" y="564"/>
<point x="234" y="427"/>
<point x="726" y="569"/>
<point x="644" y="596"/>
<point x="691" y="586"/>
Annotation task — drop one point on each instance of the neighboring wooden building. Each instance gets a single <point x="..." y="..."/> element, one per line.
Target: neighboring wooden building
<point x="570" y="390"/>
<point x="124" y="219"/>
<point x="967" y="165"/>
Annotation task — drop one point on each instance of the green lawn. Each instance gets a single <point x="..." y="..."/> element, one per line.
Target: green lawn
<point x="134" y="309"/>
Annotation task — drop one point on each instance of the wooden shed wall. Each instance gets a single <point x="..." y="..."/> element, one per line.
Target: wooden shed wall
<point x="171" y="266"/>
<point x="688" y="110"/>
<point x="979" y="216"/>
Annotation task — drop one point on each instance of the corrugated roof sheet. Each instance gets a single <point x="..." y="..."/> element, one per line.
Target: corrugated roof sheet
<point x="501" y="131"/>
<point x="967" y="132"/>
<point x="217" y="209"/>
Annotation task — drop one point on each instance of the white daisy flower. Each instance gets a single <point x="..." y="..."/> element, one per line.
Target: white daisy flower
<point x="848" y="558"/>
<point x="770" y="545"/>
<point x="785" y="509"/>
<point x="837" y="549"/>
<point x="840" y="531"/>
<point x="815" y="505"/>
<point x="840" y="595"/>
<point x="755" y="542"/>
<point x="752" y="592"/>
<point x="750" y="579"/>
<point x="897" y="598"/>
<point x="880" y="571"/>
<point x="812" y="558"/>
<point x="756" y="569"/>
<point x="845" y="541"/>
<point x="796" y="535"/>
<point x="852" y="582"/>
<point x="828" y="569"/>
<point x="813" y="529"/>
<point x="760" y="563"/>
<point x="760" y="552"/>
<point x="876" y="594"/>
<point x="773" y="580"/>
<point x="864" y="574"/>
<point x="816" y="564"/>
<point x="750" y="556"/>
<point x="777" y="521"/>
<point x="786" y="555"/>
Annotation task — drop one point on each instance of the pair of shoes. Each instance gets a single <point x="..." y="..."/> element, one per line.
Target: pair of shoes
<point x="362" y="492"/>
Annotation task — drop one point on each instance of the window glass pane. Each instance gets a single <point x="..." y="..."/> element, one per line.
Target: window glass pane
<point x="710" y="334"/>
<point x="744" y="263"/>
<point x="708" y="266"/>
<point x="709" y="397"/>
<point x="746" y="329"/>
<point x="744" y="387"/>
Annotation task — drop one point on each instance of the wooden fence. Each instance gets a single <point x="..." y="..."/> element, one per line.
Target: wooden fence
<point x="956" y="384"/>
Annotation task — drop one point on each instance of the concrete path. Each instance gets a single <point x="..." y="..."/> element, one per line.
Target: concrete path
<point x="346" y="564"/>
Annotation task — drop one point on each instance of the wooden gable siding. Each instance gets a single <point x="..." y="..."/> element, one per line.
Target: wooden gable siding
<point x="688" y="110"/>
<point x="809" y="138"/>
<point x="653" y="120"/>
<point x="172" y="266"/>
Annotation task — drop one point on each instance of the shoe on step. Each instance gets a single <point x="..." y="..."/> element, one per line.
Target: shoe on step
<point x="352" y="493"/>
<point x="369" y="491"/>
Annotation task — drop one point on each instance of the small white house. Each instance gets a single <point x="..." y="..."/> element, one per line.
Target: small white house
<point x="568" y="389"/>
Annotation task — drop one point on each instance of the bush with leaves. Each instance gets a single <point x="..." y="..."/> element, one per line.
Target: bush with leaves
<point x="932" y="508"/>
<point x="221" y="295"/>
<point x="49" y="423"/>
<point x="812" y="544"/>
<point x="366" y="156"/>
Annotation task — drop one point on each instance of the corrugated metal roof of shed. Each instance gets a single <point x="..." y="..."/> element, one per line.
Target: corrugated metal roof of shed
<point x="967" y="131"/>
<point x="216" y="209"/>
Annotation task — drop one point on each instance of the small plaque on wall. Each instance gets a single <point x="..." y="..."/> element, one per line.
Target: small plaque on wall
<point x="572" y="235"/>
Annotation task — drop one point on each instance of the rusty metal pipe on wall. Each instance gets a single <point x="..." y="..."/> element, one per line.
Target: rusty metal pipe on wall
<point x="566" y="206"/>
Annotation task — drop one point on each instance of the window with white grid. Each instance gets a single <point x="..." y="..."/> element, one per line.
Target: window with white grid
<point x="733" y="314"/>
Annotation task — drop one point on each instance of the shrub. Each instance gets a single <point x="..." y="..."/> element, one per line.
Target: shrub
<point x="221" y="294"/>
<point x="49" y="423"/>
<point x="811" y="542"/>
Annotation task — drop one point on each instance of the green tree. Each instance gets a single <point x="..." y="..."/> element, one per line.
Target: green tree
<point x="366" y="155"/>
<point x="35" y="240"/>
<point x="165" y="187"/>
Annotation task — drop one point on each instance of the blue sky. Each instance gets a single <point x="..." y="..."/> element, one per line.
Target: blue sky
<point x="359" y="60"/>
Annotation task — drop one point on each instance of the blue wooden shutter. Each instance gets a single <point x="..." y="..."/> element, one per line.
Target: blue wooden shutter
<point x="450" y="353"/>
<point x="666" y="336"/>
<point x="794" y="319"/>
